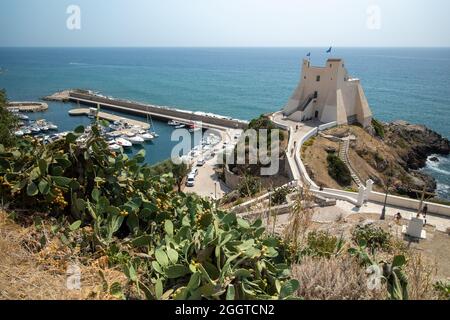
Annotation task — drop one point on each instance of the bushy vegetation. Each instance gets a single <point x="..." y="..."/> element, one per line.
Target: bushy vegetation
<point x="378" y="127"/>
<point x="7" y="122"/>
<point x="375" y="237"/>
<point x="249" y="186"/>
<point x="260" y="123"/>
<point x="279" y="195"/>
<point x="338" y="170"/>
<point x="179" y="171"/>
<point x="322" y="244"/>
<point x="443" y="289"/>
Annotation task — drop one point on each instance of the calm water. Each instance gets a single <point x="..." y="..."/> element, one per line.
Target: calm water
<point x="409" y="84"/>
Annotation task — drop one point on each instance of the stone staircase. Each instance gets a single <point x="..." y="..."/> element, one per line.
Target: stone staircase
<point x="344" y="146"/>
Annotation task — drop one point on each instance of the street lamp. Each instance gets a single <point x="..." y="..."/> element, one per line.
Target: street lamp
<point x="383" y="212"/>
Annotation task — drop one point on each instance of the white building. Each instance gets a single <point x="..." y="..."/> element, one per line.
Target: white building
<point x="328" y="94"/>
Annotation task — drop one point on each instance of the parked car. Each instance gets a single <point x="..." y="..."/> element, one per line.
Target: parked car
<point x="190" y="180"/>
<point x="194" y="172"/>
<point x="200" y="162"/>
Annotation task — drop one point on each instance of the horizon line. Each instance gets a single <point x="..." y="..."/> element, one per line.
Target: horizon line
<point x="223" y="47"/>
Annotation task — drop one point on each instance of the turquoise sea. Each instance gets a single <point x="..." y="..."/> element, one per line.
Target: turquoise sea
<point x="412" y="84"/>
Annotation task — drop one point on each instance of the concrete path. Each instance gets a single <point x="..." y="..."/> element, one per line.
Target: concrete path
<point x="441" y="223"/>
<point x="298" y="131"/>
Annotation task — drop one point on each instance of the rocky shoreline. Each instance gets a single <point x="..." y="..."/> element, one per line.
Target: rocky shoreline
<point x="423" y="142"/>
<point x="414" y="144"/>
<point x="391" y="154"/>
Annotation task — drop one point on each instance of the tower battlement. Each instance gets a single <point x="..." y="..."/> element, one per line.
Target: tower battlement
<point x="327" y="93"/>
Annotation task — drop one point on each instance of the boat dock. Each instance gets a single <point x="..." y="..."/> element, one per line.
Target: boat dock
<point x="109" y="117"/>
<point x="27" y="106"/>
<point x="209" y="121"/>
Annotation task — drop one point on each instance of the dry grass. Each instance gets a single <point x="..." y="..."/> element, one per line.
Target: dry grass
<point x="421" y="274"/>
<point x="337" y="278"/>
<point x="30" y="274"/>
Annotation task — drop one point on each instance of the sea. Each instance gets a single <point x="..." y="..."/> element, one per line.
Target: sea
<point x="411" y="84"/>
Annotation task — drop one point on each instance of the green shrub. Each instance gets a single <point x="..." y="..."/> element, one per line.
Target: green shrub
<point x="322" y="244"/>
<point x="443" y="289"/>
<point x="338" y="170"/>
<point x="7" y="122"/>
<point x="378" y="127"/>
<point x="374" y="237"/>
<point x="249" y="186"/>
<point x="279" y="195"/>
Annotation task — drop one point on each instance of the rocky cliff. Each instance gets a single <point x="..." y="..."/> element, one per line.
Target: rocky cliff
<point x="390" y="154"/>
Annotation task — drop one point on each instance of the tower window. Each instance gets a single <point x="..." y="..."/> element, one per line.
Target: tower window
<point x="318" y="78"/>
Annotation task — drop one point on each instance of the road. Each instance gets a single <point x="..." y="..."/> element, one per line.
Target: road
<point x="207" y="183"/>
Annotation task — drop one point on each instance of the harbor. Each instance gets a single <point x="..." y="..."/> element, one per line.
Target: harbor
<point x="127" y="132"/>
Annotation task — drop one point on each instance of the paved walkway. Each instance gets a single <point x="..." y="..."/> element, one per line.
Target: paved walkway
<point x="441" y="223"/>
<point x="298" y="131"/>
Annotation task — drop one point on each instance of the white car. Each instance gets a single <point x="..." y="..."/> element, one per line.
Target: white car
<point x="200" y="162"/>
<point x="194" y="172"/>
<point x="190" y="180"/>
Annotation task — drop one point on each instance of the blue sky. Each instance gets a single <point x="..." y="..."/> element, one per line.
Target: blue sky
<point x="213" y="23"/>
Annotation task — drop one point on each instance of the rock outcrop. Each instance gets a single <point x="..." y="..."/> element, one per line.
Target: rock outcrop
<point x="415" y="143"/>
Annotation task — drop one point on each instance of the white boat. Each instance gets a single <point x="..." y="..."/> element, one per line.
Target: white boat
<point x="147" y="136"/>
<point x="194" y="129"/>
<point x="114" y="134"/>
<point x="173" y="123"/>
<point x="135" y="139"/>
<point x="154" y="134"/>
<point x="115" y="147"/>
<point x="123" y="142"/>
<point x="19" y="133"/>
<point x="26" y="131"/>
<point x="35" y="130"/>
<point x="44" y="128"/>
<point x="180" y="126"/>
<point x="52" y="126"/>
<point x="22" y="116"/>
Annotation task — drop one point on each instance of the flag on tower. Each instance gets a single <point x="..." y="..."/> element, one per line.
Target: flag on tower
<point x="309" y="54"/>
<point x="329" y="50"/>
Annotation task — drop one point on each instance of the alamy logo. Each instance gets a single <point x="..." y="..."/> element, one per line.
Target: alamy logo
<point x="373" y="17"/>
<point x="375" y="275"/>
<point x="73" y="280"/>
<point x="73" y="22"/>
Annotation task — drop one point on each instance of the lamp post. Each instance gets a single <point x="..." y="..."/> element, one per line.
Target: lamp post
<point x="383" y="212"/>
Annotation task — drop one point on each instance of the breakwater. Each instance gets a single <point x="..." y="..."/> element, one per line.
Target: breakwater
<point x="208" y="120"/>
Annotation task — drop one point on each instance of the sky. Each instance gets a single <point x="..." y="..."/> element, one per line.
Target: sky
<point x="225" y="23"/>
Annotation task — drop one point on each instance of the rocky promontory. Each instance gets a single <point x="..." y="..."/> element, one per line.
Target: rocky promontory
<point x="420" y="141"/>
<point x="391" y="154"/>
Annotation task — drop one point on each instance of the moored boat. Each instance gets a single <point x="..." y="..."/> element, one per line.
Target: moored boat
<point x="135" y="139"/>
<point x="173" y="123"/>
<point x="123" y="142"/>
